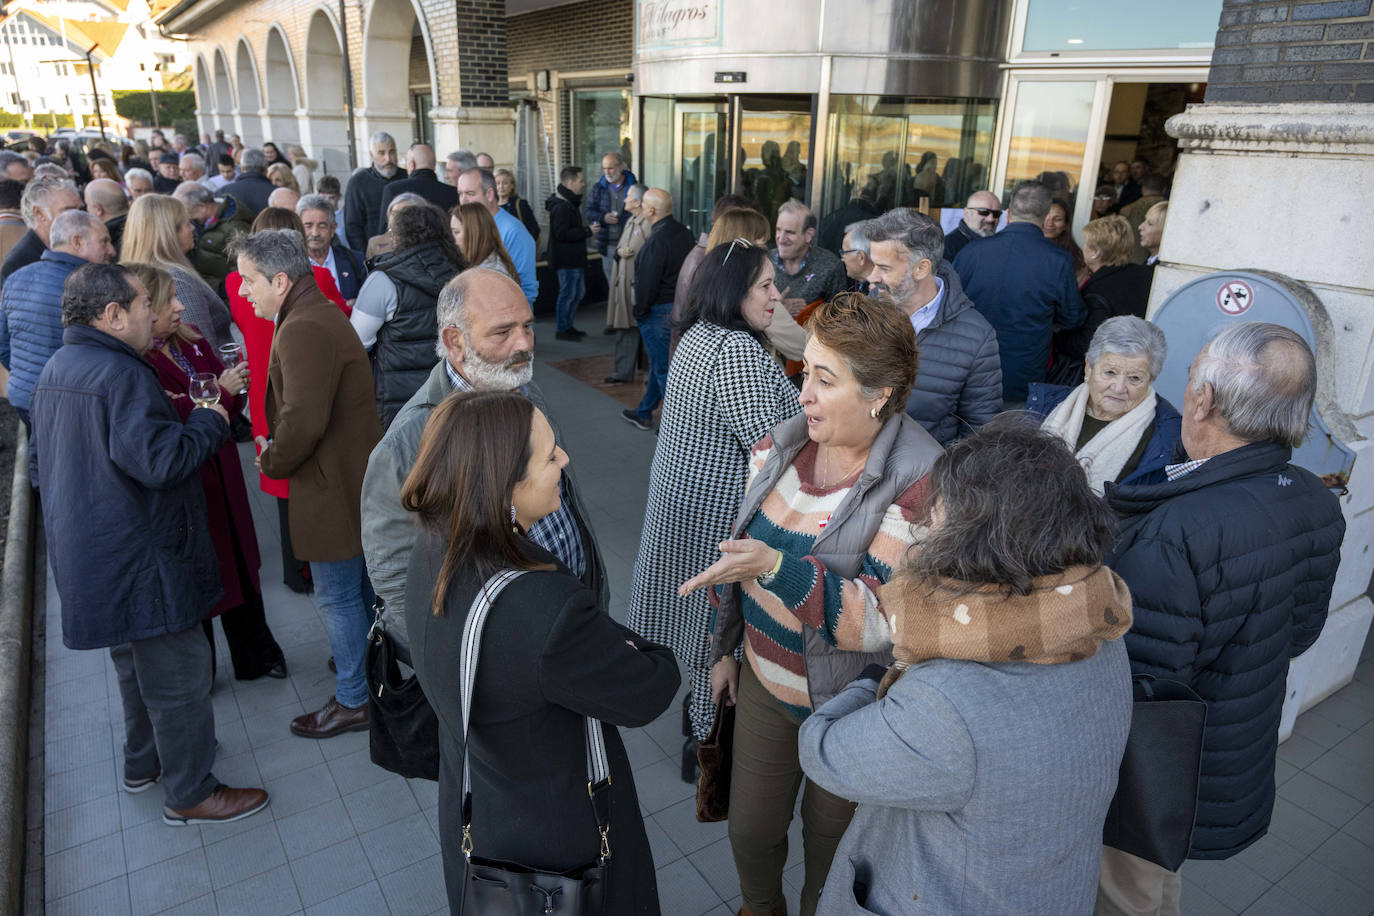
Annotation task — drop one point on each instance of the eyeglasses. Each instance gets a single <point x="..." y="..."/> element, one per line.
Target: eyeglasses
<point x="740" y="241"/>
<point x="984" y="211"/>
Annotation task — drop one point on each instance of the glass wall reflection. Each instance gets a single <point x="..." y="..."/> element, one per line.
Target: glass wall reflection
<point x="1111" y="25"/>
<point x="1049" y="134"/>
<point x="775" y="152"/>
<point x="601" y="125"/>
<point x="907" y="152"/>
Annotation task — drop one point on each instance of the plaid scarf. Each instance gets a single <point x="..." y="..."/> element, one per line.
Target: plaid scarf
<point x="1065" y="618"/>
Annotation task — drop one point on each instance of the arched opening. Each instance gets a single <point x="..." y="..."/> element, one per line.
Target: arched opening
<point x="250" y="98"/>
<point x="396" y="33"/>
<point x="224" y="94"/>
<point x="324" y="132"/>
<point x="205" y="96"/>
<point x="280" y="83"/>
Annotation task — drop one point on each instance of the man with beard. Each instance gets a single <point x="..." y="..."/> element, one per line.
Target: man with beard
<point x="980" y="221"/>
<point x="364" y="215"/>
<point x="345" y="265"/>
<point x="486" y="343"/>
<point x="959" y="376"/>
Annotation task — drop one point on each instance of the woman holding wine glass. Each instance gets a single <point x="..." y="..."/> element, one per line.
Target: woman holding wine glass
<point x="192" y="374"/>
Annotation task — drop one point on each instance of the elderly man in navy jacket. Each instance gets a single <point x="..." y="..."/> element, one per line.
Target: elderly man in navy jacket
<point x="1025" y="287"/>
<point x="1230" y="565"/>
<point x="131" y="554"/>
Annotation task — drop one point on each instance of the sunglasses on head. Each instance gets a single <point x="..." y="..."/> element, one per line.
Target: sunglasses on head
<point x="738" y="241"/>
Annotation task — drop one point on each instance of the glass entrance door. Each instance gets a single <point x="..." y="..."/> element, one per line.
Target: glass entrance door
<point x="775" y="150"/>
<point x="700" y="167"/>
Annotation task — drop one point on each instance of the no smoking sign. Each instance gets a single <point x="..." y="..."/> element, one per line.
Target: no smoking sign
<point x="1234" y="297"/>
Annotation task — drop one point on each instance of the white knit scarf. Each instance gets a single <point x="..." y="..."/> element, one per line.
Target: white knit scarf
<point x="1105" y="454"/>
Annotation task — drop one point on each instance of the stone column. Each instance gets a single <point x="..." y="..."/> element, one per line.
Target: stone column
<point x="1277" y="174"/>
<point x="477" y="116"/>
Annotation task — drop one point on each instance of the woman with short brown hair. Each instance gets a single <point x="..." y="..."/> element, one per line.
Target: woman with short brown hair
<point x="828" y="515"/>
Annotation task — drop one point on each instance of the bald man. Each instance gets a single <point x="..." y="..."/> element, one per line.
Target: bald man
<point x="423" y="180"/>
<point x="284" y="198"/>
<point x="656" y="270"/>
<point x="979" y="222"/>
<point x="105" y="200"/>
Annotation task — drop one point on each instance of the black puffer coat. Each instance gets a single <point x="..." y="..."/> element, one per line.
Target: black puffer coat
<point x="958" y="373"/>
<point x="1230" y="569"/>
<point x="404" y="353"/>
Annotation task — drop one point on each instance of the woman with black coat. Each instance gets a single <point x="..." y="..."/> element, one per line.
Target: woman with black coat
<point x="488" y="468"/>
<point x="1115" y="287"/>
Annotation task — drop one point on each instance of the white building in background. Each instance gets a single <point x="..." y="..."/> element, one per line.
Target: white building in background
<point x="43" y="45"/>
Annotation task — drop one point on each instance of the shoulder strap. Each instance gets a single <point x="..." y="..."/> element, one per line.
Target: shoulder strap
<point x="598" y="769"/>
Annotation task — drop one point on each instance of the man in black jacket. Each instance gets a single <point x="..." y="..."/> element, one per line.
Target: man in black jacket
<point x="252" y="188"/>
<point x="568" y="248"/>
<point x="1230" y="565"/>
<point x="656" y="270"/>
<point x="423" y="180"/>
<point x="130" y="551"/>
<point x="959" y="376"/>
<point x="364" y="215"/>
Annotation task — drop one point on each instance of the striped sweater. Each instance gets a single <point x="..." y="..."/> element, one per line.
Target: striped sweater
<point x="846" y="612"/>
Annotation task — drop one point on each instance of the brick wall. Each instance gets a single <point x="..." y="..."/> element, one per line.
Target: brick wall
<point x="482" y="53"/>
<point x="595" y="35"/>
<point x="1293" y="52"/>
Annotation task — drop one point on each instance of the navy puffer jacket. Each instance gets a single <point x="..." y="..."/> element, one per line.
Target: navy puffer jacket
<point x="123" y="508"/>
<point x="1230" y="569"/>
<point x="958" y="373"/>
<point x="1165" y="432"/>
<point x="31" y="323"/>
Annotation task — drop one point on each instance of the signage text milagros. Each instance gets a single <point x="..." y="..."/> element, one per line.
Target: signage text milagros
<point x="673" y="21"/>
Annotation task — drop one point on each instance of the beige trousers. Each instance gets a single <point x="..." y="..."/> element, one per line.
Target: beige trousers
<point x="1131" y="886"/>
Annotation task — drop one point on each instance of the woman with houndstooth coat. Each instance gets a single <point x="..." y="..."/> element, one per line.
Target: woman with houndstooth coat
<point x="724" y="393"/>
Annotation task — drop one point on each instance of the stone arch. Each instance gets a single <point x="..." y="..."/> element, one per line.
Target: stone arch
<point x="205" y="95"/>
<point x="282" y="90"/>
<point x="224" y="93"/>
<point x="249" y="96"/>
<point x="324" y="130"/>
<point x="394" y="28"/>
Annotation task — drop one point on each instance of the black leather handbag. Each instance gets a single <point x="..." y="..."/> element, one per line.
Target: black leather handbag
<point x="1152" y="814"/>
<point x="498" y="888"/>
<point x="403" y="732"/>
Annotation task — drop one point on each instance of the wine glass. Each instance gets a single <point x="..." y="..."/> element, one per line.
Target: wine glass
<point x="231" y="354"/>
<point x="204" y="389"/>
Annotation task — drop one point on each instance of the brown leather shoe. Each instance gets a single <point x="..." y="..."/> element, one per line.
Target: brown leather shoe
<point x="333" y="719"/>
<point x="223" y="805"/>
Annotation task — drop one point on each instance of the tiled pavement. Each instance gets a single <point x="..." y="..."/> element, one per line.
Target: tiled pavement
<point x="343" y="836"/>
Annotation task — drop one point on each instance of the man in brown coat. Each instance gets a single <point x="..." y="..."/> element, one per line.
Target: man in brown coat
<point x="323" y="419"/>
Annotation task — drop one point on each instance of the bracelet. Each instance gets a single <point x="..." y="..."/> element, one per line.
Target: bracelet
<point x="767" y="578"/>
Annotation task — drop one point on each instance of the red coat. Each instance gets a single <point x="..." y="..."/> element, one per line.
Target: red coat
<point x="228" y="514"/>
<point x="257" y="344"/>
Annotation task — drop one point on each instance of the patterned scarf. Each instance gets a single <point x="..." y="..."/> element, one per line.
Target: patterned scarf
<point x="1065" y="618"/>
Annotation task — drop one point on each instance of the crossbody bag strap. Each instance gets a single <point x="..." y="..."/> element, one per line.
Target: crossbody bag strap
<point x="598" y="768"/>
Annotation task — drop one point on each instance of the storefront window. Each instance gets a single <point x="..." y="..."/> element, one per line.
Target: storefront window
<point x="656" y="148"/>
<point x="1115" y="25"/>
<point x="1049" y="134"/>
<point x="600" y="125"/>
<point x="903" y="152"/>
<point x="775" y="152"/>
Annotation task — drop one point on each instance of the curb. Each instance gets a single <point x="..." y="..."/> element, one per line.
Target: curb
<point x="16" y="646"/>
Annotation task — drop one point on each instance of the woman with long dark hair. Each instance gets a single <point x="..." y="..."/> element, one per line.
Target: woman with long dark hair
<point x="394" y="311"/>
<point x="488" y="468"/>
<point x="724" y="394"/>
<point x="476" y="235"/>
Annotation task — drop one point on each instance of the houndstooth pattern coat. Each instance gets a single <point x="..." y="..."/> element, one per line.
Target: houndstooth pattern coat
<point x="724" y="394"/>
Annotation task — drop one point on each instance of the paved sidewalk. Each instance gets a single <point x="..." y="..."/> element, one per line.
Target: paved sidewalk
<point x="342" y="836"/>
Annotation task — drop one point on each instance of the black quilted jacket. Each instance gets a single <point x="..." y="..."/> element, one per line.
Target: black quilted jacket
<point x="1230" y="569"/>
<point x="958" y="372"/>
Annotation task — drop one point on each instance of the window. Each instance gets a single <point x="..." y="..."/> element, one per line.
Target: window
<point x="1049" y="135"/>
<point x="1111" y="25"/>
<point x="600" y="125"/>
<point x="905" y="152"/>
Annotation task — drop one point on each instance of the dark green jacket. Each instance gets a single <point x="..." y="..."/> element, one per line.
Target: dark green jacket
<point x="213" y="262"/>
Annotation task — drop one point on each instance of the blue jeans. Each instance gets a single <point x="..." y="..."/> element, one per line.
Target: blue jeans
<point x="653" y="329"/>
<point x="572" y="287"/>
<point x="343" y="593"/>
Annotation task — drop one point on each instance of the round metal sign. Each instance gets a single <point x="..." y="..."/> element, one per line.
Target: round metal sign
<point x="1234" y="297"/>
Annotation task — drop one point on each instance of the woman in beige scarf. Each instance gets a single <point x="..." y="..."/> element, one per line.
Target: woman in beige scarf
<point x="621" y="304"/>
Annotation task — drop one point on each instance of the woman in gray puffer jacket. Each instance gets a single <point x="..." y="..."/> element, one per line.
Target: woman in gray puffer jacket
<point x="983" y="761"/>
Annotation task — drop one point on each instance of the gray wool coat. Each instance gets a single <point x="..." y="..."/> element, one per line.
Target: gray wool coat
<point x="981" y="788"/>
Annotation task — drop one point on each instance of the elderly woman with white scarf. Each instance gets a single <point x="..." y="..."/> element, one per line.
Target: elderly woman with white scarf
<point x="1120" y="430"/>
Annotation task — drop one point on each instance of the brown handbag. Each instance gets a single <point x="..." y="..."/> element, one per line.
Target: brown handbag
<point x="713" y="756"/>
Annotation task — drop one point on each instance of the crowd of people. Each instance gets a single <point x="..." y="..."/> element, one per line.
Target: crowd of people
<point x="916" y="511"/>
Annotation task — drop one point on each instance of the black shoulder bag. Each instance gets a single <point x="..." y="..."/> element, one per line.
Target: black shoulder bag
<point x="403" y="732"/>
<point x="498" y="888"/>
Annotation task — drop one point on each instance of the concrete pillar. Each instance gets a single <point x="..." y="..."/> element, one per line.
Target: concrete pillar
<point x="490" y="130"/>
<point x="1277" y="173"/>
<point x="324" y="134"/>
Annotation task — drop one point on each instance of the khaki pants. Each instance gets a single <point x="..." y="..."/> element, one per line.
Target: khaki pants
<point x="1130" y="886"/>
<point x="765" y="777"/>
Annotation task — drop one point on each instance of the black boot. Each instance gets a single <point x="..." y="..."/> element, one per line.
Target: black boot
<point x="687" y="716"/>
<point x="689" y="761"/>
